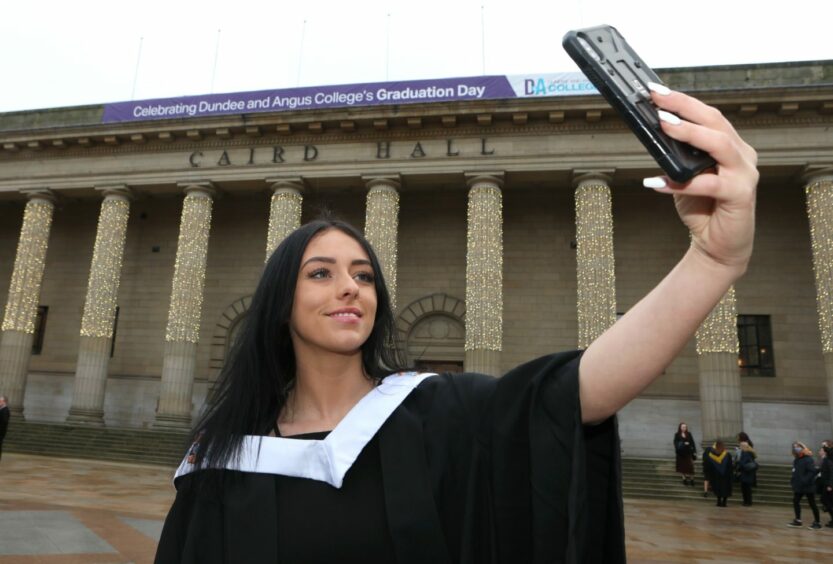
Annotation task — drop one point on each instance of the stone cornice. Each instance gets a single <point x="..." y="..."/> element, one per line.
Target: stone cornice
<point x="779" y="106"/>
<point x="746" y="116"/>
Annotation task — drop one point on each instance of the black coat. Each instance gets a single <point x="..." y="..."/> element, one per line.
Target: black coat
<point x="803" y="479"/>
<point x="685" y="453"/>
<point x="826" y="479"/>
<point x="747" y="476"/>
<point x="476" y="470"/>
<point x="4" y="422"/>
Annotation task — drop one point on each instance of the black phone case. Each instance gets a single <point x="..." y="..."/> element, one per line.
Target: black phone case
<point x="622" y="77"/>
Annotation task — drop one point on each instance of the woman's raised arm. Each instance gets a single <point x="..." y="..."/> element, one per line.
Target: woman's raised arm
<point x="718" y="207"/>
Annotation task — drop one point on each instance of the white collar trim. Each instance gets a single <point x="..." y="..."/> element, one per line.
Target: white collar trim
<point x="326" y="460"/>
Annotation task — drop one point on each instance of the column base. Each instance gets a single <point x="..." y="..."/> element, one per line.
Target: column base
<point x="15" y="352"/>
<point x="828" y="369"/>
<point x="483" y="361"/>
<point x="174" y="422"/>
<point x="721" y="403"/>
<point x="90" y="417"/>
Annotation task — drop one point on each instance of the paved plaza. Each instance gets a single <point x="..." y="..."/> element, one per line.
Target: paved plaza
<point x="62" y="511"/>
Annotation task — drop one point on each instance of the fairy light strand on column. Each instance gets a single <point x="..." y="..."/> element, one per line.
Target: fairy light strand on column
<point x="381" y="228"/>
<point x="820" y="213"/>
<point x="189" y="269"/>
<point x="484" y="267"/>
<point x="719" y="332"/>
<point x="105" y="270"/>
<point x="24" y="290"/>
<point x="284" y="217"/>
<point x="595" y="272"/>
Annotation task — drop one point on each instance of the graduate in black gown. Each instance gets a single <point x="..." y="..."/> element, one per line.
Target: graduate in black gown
<point x="317" y="447"/>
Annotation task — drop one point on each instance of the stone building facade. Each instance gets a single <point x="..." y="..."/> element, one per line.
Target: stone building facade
<point x="507" y="228"/>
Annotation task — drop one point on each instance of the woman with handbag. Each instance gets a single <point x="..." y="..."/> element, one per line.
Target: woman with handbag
<point x="826" y="479"/>
<point x="686" y="452"/>
<point x="748" y="470"/>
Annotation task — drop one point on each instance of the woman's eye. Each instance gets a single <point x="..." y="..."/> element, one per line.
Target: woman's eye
<point x="365" y="277"/>
<point x="319" y="273"/>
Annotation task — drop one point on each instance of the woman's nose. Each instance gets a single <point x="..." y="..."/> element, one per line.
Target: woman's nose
<point x="349" y="287"/>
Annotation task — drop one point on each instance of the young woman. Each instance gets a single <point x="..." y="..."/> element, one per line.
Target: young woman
<point x="826" y="478"/>
<point x="803" y="482"/>
<point x="686" y="452"/>
<point x="316" y="449"/>
<point x="747" y="465"/>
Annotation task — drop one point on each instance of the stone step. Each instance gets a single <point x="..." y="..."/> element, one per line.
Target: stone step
<point x="657" y="479"/>
<point x="641" y="477"/>
<point x="129" y="445"/>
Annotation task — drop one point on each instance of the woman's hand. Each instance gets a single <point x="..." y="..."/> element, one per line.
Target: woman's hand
<point x="717" y="206"/>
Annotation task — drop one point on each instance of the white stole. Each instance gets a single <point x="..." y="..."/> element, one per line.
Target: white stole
<point x="325" y="460"/>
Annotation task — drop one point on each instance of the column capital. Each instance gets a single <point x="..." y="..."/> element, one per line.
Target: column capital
<point x="286" y="183"/>
<point x="40" y="194"/>
<point x="492" y="177"/>
<point x="382" y="180"/>
<point x="817" y="172"/>
<point x="202" y="187"/>
<point x="585" y="176"/>
<point x="116" y="192"/>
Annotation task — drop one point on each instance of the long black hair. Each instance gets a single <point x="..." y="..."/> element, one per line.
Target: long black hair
<point x="253" y="385"/>
<point x="744" y="437"/>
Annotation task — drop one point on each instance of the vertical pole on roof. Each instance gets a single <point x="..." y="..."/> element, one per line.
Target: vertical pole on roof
<point x="301" y="52"/>
<point x="483" y="39"/>
<point x="136" y="72"/>
<point x="216" y="56"/>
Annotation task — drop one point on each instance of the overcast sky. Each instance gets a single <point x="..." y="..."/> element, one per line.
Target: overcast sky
<point x="58" y="53"/>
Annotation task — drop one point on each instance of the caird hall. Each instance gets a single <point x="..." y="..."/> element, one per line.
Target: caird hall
<point x="507" y="211"/>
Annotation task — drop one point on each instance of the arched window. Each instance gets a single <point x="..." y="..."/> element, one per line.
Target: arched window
<point x="432" y="332"/>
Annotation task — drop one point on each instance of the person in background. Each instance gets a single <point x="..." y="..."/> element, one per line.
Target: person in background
<point x="706" y="471"/>
<point x="4" y="421"/>
<point x="748" y="470"/>
<point x="826" y="478"/>
<point x="719" y="464"/>
<point x="686" y="453"/>
<point x="742" y="437"/>
<point x="803" y="484"/>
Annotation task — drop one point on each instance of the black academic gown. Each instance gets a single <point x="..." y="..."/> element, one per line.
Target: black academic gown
<point x="475" y="470"/>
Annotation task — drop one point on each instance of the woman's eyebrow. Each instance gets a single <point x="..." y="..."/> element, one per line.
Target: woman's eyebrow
<point x="330" y="260"/>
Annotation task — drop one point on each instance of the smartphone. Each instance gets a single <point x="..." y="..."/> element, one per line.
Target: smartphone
<point x="622" y="77"/>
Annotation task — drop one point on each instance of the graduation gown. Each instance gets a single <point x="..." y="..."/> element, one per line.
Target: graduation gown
<point x="475" y="470"/>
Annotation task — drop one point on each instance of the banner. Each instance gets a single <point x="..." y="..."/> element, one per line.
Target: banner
<point x="352" y="95"/>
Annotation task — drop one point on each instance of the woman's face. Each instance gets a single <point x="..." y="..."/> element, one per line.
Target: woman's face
<point x="335" y="297"/>
<point x="683" y="428"/>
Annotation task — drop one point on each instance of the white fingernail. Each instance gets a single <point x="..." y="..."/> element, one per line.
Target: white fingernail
<point x="659" y="88"/>
<point x="654" y="182"/>
<point x="669" y="117"/>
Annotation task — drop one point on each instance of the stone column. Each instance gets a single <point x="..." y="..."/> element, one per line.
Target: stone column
<point x="596" y="283"/>
<point x="284" y="211"/>
<point x="721" y="403"/>
<point x="819" y="190"/>
<point x="100" y="309"/>
<point x="381" y="226"/>
<point x="484" y="274"/>
<point x="182" y="334"/>
<point x="24" y="293"/>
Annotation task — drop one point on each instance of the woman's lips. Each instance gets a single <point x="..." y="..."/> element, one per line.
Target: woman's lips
<point x="346" y="316"/>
